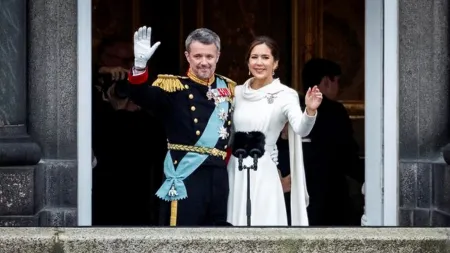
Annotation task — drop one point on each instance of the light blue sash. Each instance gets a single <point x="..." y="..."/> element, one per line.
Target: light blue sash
<point x="173" y="187"/>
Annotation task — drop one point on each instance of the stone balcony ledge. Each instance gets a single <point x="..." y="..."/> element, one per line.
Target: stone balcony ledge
<point x="124" y="240"/>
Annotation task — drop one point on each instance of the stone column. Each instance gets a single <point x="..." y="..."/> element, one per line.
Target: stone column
<point x="424" y="112"/>
<point x="18" y="153"/>
<point x="52" y="95"/>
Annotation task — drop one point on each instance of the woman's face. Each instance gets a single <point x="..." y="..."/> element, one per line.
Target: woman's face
<point x="261" y="62"/>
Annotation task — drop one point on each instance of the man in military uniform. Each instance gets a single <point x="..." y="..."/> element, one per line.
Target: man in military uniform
<point x="196" y="112"/>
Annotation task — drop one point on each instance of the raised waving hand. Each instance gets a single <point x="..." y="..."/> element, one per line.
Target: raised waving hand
<point x="143" y="50"/>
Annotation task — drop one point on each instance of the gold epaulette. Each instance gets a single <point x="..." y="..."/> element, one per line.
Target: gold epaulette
<point x="169" y="83"/>
<point x="231" y="83"/>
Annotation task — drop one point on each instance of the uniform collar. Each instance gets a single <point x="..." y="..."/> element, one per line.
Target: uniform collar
<point x="194" y="78"/>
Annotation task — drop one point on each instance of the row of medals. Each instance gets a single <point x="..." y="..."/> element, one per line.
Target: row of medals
<point x="214" y="94"/>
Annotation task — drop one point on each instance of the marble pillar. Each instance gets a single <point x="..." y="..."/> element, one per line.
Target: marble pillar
<point x="19" y="154"/>
<point x="52" y="96"/>
<point x="424" y="112"/>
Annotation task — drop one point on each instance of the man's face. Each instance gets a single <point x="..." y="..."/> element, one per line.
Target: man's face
<point x="202" y="59"/>
<point x="332" y="87"/>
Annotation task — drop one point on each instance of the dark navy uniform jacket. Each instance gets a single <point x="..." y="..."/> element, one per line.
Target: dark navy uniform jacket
<point x="183" y="105"/>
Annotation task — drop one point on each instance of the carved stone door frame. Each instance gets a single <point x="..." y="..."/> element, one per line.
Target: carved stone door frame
<point x="84" y="132"/>
<point x="382" y="120"/>
<point x="390" y="113"/>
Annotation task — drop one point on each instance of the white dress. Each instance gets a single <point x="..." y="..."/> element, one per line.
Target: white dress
<point x="254" y="112"/>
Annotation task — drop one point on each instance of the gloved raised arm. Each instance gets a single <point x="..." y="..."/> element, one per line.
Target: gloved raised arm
<point x="144" y="95"/>
<point x="143" y="50"/>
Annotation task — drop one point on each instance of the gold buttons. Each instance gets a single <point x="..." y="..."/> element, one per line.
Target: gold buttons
<point x="191" y="96"/>
<point x="197" y="132"/>
<point x="175" y="162"/>
<point x="195" y="120"/>
<point x="192" y="108"/>
<point x="186" y="86"/>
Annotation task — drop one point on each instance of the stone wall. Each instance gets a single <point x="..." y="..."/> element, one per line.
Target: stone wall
<point x="123" y="240"/>
<point x="38" y="113"/>
<point x="423" y="111"/>
<point x="19" y="154"/>
<point x="52" y="99"/>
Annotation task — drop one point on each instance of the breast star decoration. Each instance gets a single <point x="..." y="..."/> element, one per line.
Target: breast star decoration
<point x="223" y="115"/>
<point x="223" y="133"/>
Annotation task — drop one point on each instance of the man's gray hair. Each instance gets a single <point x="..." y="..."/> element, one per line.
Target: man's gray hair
<point x="204" y="36"/>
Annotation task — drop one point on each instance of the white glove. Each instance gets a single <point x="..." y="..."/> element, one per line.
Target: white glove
<point x="94" y="159"/>
<point x="364" y="217"/>
<point x="274" y="155"/>
<point x="364" y="220"/>
<point x="143" y="50"/>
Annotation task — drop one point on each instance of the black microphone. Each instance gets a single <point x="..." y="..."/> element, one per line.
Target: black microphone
<point x="242" y="153"/>
<point x="240" y="145"/>
<point x="256" y="154"/>
<point x="256" y="146"/>
<point x="240" y="148"/>
<point x="250" y="143"/>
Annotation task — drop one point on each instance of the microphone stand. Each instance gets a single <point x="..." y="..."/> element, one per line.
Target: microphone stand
<point x="248" y="168"/>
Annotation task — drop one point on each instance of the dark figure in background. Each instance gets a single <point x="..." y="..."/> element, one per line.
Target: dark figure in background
<point x="330" y="152"/>
<point x="127" y="175"/>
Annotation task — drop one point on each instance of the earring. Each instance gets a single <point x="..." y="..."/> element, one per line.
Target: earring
<point x="249" y="73"/>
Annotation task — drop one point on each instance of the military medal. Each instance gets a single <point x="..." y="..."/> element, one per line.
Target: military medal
<point x="224" y="92"/>
<point x="172" y="191"/>
<point x="223" y="115"/>
<point x="219" y="95"/>
<point x="209" y="93"/>
<point x="223" y="134"/>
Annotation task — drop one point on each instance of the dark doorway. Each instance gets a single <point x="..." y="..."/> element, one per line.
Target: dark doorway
<point x="130" y="149"/>
<point x="129" y="144"/>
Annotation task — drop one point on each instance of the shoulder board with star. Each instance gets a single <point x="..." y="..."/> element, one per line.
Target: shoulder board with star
<point x="231" y="83"/>
<point x="169" y="83"/>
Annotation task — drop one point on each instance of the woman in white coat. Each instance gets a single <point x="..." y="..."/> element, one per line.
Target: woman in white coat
<point x="265" y="105"/>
